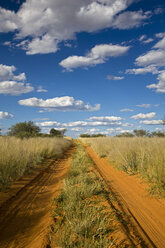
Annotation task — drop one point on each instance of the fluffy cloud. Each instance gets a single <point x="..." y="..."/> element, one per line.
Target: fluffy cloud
<point x="153" y="61"/>
<point x="160" y="44"/>
<point x="65" y="103"/>
<point x="41" y="22"/>
<point x="105" y="118"/>
<point x="143" y="116"/>
<point x="8" y="20"/>
<point x="126" y="110"/>
<point x="48" y="124"/>
<point x="110" y="77"/>
<point x="125" y="131"/>
<point x="93" y="130"/>
<point x="7" y="73"/>
<point x="160" y="86"/>
<point x="130" y="19"/>
<point x="149" y="69"/>
<point x="43" y="45"/>
<point x="80" y="124"/>
<point x="98" y="55"/>
<point x="5" y="115"/>
<point x="155" y="57"/>
<point x="77" y="129"/>
<point x="144" y="105"/>
<point x="151" y="122"/>
<point x="14" y="88"/>
<point x="94" y="123"/>
<point x="13" y="84"/>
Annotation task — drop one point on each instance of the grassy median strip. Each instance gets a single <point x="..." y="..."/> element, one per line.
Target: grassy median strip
<point x="82" y="219"/>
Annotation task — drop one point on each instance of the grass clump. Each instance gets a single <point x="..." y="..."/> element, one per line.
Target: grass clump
<point x="81" y="218"/>
<point x="18" y="156"/>
<point x="134" y="155"/>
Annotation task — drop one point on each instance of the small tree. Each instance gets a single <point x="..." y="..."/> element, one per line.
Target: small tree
<point x="158" y="134"/>
<point x="125" y="134"/>
<point x="24" y="130"/>
<point x="57" y="133"/>
<point x="85" y="135"/>
<point x="141" y="132"/>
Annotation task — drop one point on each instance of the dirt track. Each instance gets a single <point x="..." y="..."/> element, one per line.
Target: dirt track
<point x="24" y="220"/>
<point x="148" y="214"/>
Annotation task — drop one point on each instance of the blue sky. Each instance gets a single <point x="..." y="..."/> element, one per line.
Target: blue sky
<point x="85" y="65"/>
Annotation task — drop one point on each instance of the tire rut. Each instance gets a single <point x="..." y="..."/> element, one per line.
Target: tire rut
<point x="144" y="213"/>
<point x="24" y="219"/>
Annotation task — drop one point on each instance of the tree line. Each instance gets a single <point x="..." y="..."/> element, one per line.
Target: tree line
<point x="136" y="133"/>
<point x="29" y="129"/>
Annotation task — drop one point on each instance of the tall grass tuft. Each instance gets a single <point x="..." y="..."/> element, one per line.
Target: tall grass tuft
<point x="19" y="155"/>
<point x="134" y="155"/>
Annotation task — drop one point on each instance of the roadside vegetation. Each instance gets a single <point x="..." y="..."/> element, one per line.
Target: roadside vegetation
<point x="24" y="147"/>
<point x="18" y="156"/>
<point x="134" y="155"/>
<point x="81" y="214"/>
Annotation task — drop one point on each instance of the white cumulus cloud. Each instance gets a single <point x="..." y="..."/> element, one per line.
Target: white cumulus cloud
<point x="130" y="19"/>
<point x="13" y="84"/>
<point x="151" y="122"/>
<point x="43" y="45"/>
<point x="126" y="110"/>
<point x="8" y="20"/>
<point x="160" y="86"/>
<point x="15" y="88"/>
<point x="143" y="116"/>
<point x="7" y="73"/>
<point x="5" y="115"/>
<point x="105" y="118"/>
<point x="153" y="61"/>
<point x="46" y="23"/>
<point x="137" y="71"/>
<point x="154" y="57"/>
<point x="98" y="55"/>
<point x="65" y="103"/>
<point x="48" y="124"/>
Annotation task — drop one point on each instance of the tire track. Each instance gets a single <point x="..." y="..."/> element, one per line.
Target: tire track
<point x="146" y="214"/>
<point x="24" y="219"/>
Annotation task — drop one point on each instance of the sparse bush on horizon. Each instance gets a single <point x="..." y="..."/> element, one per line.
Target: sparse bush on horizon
<point x="20" y="155"/>
<point x="142" y="155"/>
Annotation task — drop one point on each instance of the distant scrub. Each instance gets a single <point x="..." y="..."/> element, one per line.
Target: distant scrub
<point x="86" y="135"/>
<point x="135" y="155"/>
<point x="20" y="155"/>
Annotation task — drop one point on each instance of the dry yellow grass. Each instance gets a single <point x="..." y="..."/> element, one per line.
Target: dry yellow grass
<point x="134" y="155"/>
<point x="17" y="155"/>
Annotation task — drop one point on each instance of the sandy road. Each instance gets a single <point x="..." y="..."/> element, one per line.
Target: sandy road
<point x="24" y="220"/>
<point x="147" y="213"/>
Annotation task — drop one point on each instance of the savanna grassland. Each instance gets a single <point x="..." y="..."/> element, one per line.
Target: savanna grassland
<point x="142" y="155"/>
<point x="18" y="156"/>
